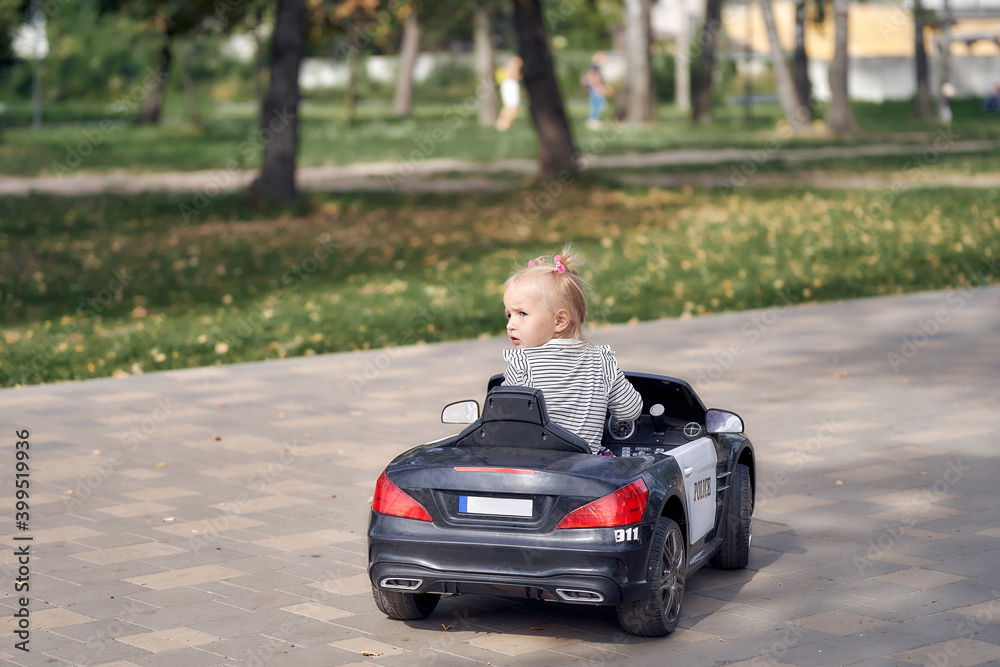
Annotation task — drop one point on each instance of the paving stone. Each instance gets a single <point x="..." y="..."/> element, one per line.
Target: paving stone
<point x="885" y="568"/>
<point x="101" y="650"/>
<point x="193" y="614"/>
<point x="189" y="657"/>
<point x="295" y="655"/>
<point x="840" y="623"/>
<point x="962" y="652"/>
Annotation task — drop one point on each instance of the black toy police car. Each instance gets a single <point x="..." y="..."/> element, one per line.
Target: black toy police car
<point x="516" y="506"/>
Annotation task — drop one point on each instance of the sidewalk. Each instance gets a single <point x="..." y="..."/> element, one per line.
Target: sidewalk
<point x="438" y="174"/>
<point x="217" y="516"/>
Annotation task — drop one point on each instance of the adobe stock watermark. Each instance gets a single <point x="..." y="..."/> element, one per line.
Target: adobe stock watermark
<point x="741" y="174"/>
<point x="798" y="458"/>
<point x="221" y="180"/>
<point x="246" y="325"/>
<point x="752" y="330"/>
<point x="427" y="143"/>
<point x="708" y="35"/>
<point x="124" y="106"/>
<point x="49" y="347"/>
<point x="791" y="636"/>
<point x="257" y="483"/>
<point x="918" y="163"/>
<point x="139" y="431"/>
<point x="96" y="640"/>
<point x="425" y="316"/>
<point x="261" y="655"/>
<point x="363" y="36"/>
<point x="920" y="505"/>
<point x="987" y="615"/>
<point x="926" y="330"/>
<point x="545" y="194"/>
<point x="50" y="8"/>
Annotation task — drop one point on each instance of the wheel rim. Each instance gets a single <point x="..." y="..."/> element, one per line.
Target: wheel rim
<point x="671" y="578"/>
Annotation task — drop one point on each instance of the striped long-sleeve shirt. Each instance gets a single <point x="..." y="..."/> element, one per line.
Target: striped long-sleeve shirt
<point x="580" y="382"/>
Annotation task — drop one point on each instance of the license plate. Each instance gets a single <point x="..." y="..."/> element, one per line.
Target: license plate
<point x="495" y="506"/>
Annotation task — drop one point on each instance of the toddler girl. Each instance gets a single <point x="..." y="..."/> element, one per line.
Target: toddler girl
<point x="546" y="306"/>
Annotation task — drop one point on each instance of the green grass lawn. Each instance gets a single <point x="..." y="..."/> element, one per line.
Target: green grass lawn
<point x="94" y="138"/>
<point x="99" y="285"/>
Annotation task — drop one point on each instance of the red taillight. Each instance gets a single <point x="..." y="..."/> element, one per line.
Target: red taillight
<point x="393" y="501"/>
<point x="619" y="508"/>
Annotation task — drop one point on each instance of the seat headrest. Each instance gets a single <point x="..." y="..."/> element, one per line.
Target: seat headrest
<point x="516" y="417"/>
<point x="520" y="404"/>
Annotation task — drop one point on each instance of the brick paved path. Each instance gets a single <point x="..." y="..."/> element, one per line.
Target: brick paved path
<point x="217" y="516"/>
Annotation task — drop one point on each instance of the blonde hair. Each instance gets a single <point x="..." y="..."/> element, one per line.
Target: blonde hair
<point x="560" y="289"/>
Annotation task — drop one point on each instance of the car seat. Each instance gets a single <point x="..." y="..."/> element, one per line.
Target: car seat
<point x="516" y="417"/>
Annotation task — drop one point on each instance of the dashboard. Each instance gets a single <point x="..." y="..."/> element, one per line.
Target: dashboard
<point x="650" y="430"/>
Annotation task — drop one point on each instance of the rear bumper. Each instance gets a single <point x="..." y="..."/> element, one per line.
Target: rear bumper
<point x="583" y="566"/>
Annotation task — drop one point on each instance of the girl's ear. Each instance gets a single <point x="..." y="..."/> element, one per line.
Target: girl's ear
<point x="562" y="320"/>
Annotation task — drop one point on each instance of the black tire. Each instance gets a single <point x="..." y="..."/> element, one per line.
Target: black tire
<point x="405" y="606"/>
<point x="656" y="613"/>
<point x="734" y="554"/>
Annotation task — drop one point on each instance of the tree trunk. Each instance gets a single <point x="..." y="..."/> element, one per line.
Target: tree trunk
<point x="923" y="108"/>
<point x="841" y="120"/>
<point x="258" y="67"/>
<point x="153" y="103"/>
<point x="639" y="107"/>
<point x="783" y="78"/>
<point x="189" y="87"/>
<point x="279" y="113"/>
<point x="682" y="60"/>
<point x="407" y="63"/>
<point x="555" y="143"/>
<point x="486" y="90"/>
<point x="704" y="74"/>
<point x="802" y="85"/>
<point x="945" y="43"/>
<point x="350" y="99"/>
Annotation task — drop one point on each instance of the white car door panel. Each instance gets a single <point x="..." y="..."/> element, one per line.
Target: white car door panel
<point x="698" y="461"/>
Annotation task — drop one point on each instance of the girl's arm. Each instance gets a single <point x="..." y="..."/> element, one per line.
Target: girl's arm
<point x="624" y="401"/>
<point x="516" y="374"/>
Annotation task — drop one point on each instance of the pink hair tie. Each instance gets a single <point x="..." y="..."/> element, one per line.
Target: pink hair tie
<point x="560" y="267"/>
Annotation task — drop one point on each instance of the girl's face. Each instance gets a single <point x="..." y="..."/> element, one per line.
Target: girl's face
<point x="530" y="320"/>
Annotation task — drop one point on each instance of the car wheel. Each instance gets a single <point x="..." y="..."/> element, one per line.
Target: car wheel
<point x="738" y="527"/>
<point x="656" y="613"/>
<point x="405" y="606"/>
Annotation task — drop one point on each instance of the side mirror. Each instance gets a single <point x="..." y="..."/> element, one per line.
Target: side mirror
<point x="723" y="421"/>
<point x="462" y="412"/>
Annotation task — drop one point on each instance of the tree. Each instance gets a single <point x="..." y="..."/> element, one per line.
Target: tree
<point x="486" y="92"/>
<point x="169" y="20"/>
<point x="280" y="111"/>
<point x="555" y="143"/>
<point x="189" y="89"/>
<point x="701" y="109"/>
<point x="640" y="105"/>
<point x="682" y="59"/>
<point x="444" y="21"/>
<point x="355" y="25"/>
<point x="786" y="88"/>
<point x="840" y="120"/>
<point x="408" y="52"/>
<point x="802" y="85"/>
<point x="923" y="101"/>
